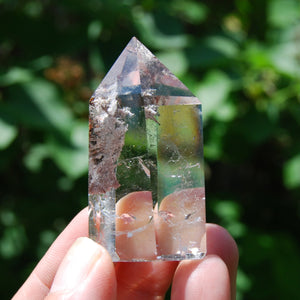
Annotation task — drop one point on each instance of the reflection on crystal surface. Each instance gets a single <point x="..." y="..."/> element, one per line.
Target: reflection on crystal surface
<point x="146" y="176"/>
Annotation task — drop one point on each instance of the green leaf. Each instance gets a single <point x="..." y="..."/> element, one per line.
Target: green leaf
<point x="152" y="34"/>
<point x="174" y="60"/>
<point x="95" y="60"/>
<point x="212" y="51"/>
<point x="72" y="156"/>
<point x="255" y="127"/>
<point x="8" y="133"/>
<point x="15" y="75"/>
<point x="13" y="241"/>
<point x="34" y="158"/>
<point x="193" y="12"/>
<point x="47" y="237"/>
<point x="213" y="92"/>
<point x="229" y="213"/>
<point x="227" y="210"/>
<point x="285" y="58"/>
<point x="33" y="9"/>
<point x="94" y="30"/>
<point x="214" y="140"/>
<point x="283" y="13"/>
<point x="291" y="172"/>
<point x="224" y="45"/>
<point x="41" y="63"/>
<point x="236" y="229"/>
<point x="8" y="218"/>
<point x="38" y="104"/>
<point x="257" y="55"/>
<point x="226" y="112"/>
<point x="243" y="282"/>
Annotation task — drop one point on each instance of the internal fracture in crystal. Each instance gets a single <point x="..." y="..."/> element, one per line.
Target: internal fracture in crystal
<point x="146" y="172"/>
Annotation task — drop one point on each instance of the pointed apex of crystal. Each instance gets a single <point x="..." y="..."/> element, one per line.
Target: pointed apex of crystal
<point x="138" y="71"/>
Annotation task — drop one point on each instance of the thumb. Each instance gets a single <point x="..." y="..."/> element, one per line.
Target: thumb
<point x="86" y="272"/>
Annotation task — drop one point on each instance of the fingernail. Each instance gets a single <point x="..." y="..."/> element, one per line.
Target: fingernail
<point x="76" y="265"/>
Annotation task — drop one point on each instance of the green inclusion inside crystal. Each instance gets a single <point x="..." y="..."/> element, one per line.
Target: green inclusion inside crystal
<point x="135" y="166"/>
<point x="163" y="156"/>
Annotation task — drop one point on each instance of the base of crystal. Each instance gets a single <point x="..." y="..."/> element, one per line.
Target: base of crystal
<point x="175" y="257"/>
<point x="178" y="257"/>
<point x="133" y="231"/>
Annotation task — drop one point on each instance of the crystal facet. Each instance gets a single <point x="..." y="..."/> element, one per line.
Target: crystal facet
<point x="146" y="173"/>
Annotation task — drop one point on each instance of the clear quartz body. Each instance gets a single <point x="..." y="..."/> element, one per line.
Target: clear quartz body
<point x="158" y="211"/>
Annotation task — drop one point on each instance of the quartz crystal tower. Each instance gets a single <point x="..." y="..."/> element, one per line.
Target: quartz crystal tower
<point x="146" y="172"/>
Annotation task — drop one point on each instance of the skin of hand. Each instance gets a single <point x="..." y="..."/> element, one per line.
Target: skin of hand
<point x="75" y="267"/>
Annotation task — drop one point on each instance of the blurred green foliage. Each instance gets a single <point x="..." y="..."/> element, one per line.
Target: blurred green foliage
<point x="241" y="58"/>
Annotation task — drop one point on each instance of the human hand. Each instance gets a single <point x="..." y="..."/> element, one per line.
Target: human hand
<point x="75" y="267"/>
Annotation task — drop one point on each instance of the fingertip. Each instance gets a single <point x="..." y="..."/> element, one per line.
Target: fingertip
<point x="86" y="270"/>
<point x="102" y="283"/>
<point x="222" y="244"/>
<point x="220" y="241"/>
<point x="205" y="279"/>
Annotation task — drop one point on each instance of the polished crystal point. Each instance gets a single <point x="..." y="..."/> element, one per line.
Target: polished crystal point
<point x="146" y="172"/>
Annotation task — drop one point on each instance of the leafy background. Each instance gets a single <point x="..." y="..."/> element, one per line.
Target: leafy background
<point x="241" y="58"/>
